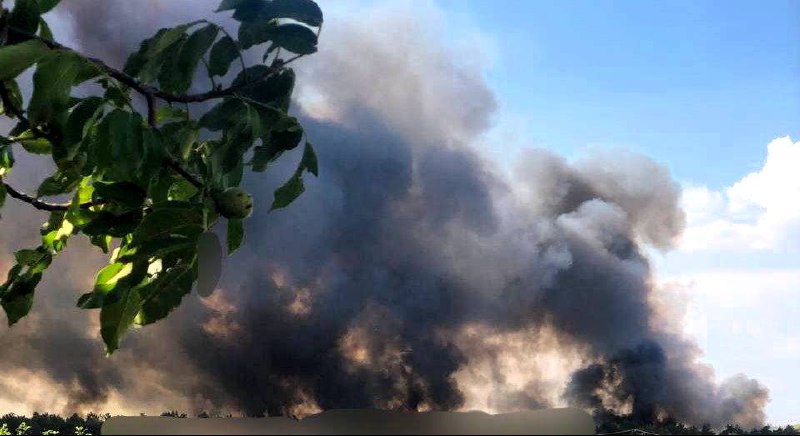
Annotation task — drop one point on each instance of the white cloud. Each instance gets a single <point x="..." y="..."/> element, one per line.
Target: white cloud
<point x="734" y="265"/>
<point x="761" y="211"/>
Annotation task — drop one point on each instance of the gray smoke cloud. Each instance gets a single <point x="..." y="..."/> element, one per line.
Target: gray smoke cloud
<point x="411" y="275"/>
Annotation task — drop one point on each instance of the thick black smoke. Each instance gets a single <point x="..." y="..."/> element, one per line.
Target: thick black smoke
<point x="368" y="291"/>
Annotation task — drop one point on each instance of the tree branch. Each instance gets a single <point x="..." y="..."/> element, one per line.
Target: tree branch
<point x="151" y="111"/>
<point x="170" y="161"/>
<point x="41" y="205"/>
<point x="150" y="94"/>
<point x="148" y="90"/>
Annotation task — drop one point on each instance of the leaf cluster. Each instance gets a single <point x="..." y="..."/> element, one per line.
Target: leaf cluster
<point x="142" y="185"/>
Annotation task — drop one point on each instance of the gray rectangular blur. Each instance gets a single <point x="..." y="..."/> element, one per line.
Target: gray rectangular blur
<point x="551" y="421"/>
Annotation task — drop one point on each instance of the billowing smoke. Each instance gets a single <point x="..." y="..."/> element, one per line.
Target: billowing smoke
<point x="412" y="274"/>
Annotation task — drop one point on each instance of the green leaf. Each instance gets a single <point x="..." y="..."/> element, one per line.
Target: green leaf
<point x="275" y="91"/>
<point x="79" y="116"/>
<point x="117" y="95"/>
<point x="304" y="11"/>
<point x="31" y="258"/>
<point x="6" y="158"/>
<point x="153" y="155"/>
<point x="221" y="56"/>
<point x="256" y="32"/>
<point x="13" y="274"/>
<point x="234" y="176"/>
<point x="14" y="93"/>
<point x="109" y="224"/>
<point x="116" y="292"/>
<point x="286" y="135"/>
<point x="165" y="293"/>
<point x="127" y="147"/>
<point x="126" y="195"/>
<point x="101" y="241"/>
<point x="246" y="10"/>
<point x="227" y="5"/>
<point x="169" y="113"/>
<point x="47" y="5"/>
<point x="59" y="183"/>
<point x="257" y="127"/>
<point x="146" y="64"/>
<point x="223" y="115"/>
<point x="82" y="195"/>
<point x="191" y="53"/>
<point x="3" y="194"/>
<point x="17" y="299"/>
<point x="236" y="143"/>
<point x="14" y="101"/>
<point x="235" y="235"/>
<point x="294" y="37"/>
<point x="56" y="232"/>
<point x="309" y="161"/>
<point x="166" y="39"/>
<point x="137" y="60"/>
<point x="52" y="84"/>
<point x="65" y="163"/>
<point x="106" y="280"/>
<point x="25" y="16"/>
<point x="89" y="300"/>
<point x="118" y="147"/>
<point x="36" y="146"/>
<point x="180" y="137"/>
<point x="168" y="249"/>
<point x="117" y="318"/>
<point x="263" y="156"/>
<point x="16" y="295"/>
<point x="170" y="78"/>
<point x="158" y="189"/>
<point x="14" y="59"/>
<point x="182" y="189"/>
<point x="294" y="187"/>
<point x="172" y="218"/>
<point x="44" y="30"/>
<point x="209" y="263"/>
<point x="289" y="192"/>
<point x="80" y="217"/>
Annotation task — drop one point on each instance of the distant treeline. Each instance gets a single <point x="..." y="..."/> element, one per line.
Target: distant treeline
<point x="47" y="424"/>
<point x="621" y="424"/>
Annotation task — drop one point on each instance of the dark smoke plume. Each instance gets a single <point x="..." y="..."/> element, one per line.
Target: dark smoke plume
<point x="411" y="275"/>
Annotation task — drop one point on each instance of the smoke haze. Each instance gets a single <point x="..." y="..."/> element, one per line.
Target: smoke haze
<point x="411" y="275"/>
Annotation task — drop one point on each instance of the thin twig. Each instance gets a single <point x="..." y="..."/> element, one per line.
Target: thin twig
<point x="178" y="168"/>
<point x="151" y="111"/>
<point x="42" y="205"/>
<point x="170" y="161"/>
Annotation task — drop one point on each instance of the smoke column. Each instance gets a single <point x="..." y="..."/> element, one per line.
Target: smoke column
<point x="412" y="275"/>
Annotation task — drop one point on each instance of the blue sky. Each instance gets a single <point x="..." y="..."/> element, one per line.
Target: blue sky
<point x="702" y="87"/>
